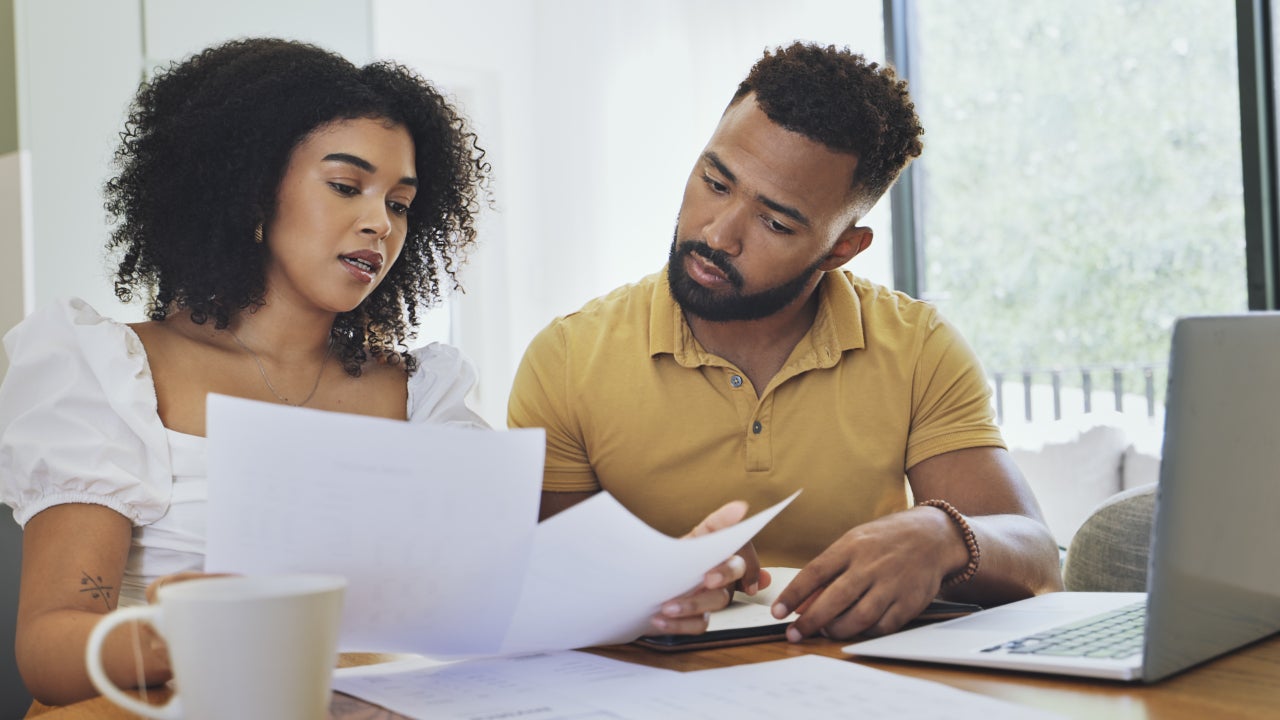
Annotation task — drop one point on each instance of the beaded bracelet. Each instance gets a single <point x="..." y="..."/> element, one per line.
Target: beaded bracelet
<point x="970" y="542"/>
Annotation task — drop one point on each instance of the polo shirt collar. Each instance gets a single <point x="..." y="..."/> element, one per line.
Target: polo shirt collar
<point x="836" y="328"/>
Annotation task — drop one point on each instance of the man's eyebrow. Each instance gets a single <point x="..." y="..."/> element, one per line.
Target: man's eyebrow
<point x="773" y="205"/>
<point x="719" y="165"/>
<point x="787" y="210"/>
<point x="364" y="165"/>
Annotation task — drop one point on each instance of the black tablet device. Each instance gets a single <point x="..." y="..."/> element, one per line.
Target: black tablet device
<point x="766" y="632"/>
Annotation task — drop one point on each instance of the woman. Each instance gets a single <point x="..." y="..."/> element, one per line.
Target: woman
<point x="284" y="214"/>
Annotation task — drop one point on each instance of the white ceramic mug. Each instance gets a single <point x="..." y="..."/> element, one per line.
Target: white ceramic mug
<point x="239" y="646"/>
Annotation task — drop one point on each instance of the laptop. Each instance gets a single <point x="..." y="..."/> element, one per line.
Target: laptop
<point x="1213" y="582"/>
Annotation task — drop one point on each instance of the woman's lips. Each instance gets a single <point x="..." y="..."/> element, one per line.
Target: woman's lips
<point x="362" y="264"/>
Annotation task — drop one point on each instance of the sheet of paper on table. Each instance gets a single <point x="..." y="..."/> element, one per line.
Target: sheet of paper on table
<point x="575" y="684"/>
<point x="436" y="530"/>
<point x="755" y="610"/>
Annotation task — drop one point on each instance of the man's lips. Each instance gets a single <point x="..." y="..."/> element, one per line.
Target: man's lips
<point x="705" y="272"/>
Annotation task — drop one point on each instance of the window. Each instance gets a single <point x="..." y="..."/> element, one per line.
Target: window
<point x="1080" y="187"/>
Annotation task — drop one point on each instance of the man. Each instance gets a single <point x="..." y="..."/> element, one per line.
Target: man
<point x="753" y="367"/>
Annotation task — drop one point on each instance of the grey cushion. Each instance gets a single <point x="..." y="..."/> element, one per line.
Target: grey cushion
<point x="1109" y="551"/>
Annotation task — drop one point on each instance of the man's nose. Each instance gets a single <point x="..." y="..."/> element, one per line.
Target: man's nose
<point x="724" y="231"/>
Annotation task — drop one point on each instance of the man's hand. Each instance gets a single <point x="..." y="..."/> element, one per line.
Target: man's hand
<point x="688" y="614"/>
<point x="875" y="578"/>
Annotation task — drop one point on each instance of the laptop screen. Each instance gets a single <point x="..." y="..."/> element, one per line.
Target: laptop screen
<point x="1214" y="575"/>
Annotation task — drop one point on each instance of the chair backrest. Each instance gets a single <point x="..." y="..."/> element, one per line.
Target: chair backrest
<point x="14" y="698"/>
<point x="1110" y="550"/>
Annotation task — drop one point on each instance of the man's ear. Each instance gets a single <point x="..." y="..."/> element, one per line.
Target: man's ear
<point x="851" y="242"/>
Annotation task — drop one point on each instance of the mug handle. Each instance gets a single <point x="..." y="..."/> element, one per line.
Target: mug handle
<point x="109" y="690"/>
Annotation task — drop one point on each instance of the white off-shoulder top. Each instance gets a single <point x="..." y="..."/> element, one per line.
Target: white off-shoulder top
<point x="79" y="424"/>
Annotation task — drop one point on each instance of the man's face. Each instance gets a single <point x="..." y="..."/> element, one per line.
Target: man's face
<point x="765" y="209"/>
<point x="699" y="300"/>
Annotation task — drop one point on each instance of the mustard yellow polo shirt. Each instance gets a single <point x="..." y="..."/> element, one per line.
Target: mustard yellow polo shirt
<point x="634" y="405"/>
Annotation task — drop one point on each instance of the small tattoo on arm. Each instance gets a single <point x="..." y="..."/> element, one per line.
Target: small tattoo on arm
<point x="96" y="589"/>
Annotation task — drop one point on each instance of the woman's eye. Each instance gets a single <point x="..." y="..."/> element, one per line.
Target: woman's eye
<point x="398" y="208"/>
<point x="343" y="189"/>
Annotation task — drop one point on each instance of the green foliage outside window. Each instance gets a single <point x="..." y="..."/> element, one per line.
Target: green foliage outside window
<point x="1081" y="174"/>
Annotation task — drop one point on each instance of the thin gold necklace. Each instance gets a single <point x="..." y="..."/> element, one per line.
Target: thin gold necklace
<point x="263" y="371"/>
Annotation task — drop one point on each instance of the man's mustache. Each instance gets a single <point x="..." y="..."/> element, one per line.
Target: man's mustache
<point x="719" y="258"/>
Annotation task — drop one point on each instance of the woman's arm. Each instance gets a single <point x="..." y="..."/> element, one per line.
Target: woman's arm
<point x="73" y="559"/>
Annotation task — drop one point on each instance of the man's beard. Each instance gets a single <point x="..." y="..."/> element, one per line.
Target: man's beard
<point x="696" y="300"/>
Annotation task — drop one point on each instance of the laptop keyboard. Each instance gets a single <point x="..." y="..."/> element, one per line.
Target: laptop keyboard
<point x="1114" y="634"/>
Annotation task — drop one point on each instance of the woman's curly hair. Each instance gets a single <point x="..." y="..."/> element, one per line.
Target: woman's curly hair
<point x="835" y="97"/>
<point x="201" y="159"/>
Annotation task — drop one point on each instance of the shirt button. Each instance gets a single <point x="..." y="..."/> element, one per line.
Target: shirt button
<point x="735" y="380"/>
<point x="756" y="427"/>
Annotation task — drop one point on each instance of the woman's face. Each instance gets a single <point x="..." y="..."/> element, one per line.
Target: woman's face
<point x="341" y="214"/>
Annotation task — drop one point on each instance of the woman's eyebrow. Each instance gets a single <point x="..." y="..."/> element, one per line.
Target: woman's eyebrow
<point x="365" y="165"/>
<point x="350" y="159"/>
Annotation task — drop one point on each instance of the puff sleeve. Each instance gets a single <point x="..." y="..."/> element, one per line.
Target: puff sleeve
<point x="438" y="388"/>
<point x="78" y="421"/>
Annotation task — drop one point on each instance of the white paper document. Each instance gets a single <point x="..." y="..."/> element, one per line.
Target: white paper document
<point x="543" y="685"/>
<point x="597" y="574"/>
<point x="747" y="611"/>
<point x="436" y="530"/>
<point x="431" y="525"/>
<point x="580" y="685"/>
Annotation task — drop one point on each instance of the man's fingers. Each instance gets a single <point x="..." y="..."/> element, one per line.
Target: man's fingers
<point x="726" y="574"/>
<point x="728" y="514"/>
<point x="688" y="614"/>
<point x="809" y="581"/>
<point x="765" y="579"/>
<point x="698" y="603"/>
<point x="839" y="608"/>
<point x="894" y="617"/>
<point x="751" y="576"/>
<point x="680" y="626"/>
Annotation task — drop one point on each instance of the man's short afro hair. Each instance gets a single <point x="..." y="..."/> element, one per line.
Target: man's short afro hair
<point x="835" y="97"/>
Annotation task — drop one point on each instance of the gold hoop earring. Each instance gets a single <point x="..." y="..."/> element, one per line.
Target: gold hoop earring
<point x="257" y="234"/>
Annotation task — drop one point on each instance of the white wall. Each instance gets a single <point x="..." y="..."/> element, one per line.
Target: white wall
<point x="177" y="28"/>
<point x="593" y="112"/>
<point x="79" y="64"/>
<point x="13" y="168"/>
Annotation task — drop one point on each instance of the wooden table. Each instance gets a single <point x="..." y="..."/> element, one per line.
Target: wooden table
<point x="1245" y="684"/>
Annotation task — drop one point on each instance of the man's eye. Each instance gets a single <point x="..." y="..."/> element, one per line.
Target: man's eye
<point x="715" y="185"/>
<point x="778" y="227"/>
<point x="343" y="189"/>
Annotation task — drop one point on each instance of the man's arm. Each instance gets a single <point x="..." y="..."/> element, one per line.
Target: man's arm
<point x="1019" y="554"/>
<point x="880" y="575"/>
<point x="554" y="503"/>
